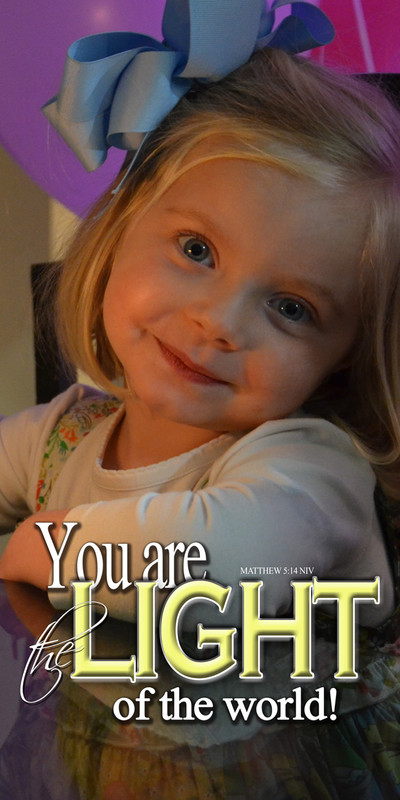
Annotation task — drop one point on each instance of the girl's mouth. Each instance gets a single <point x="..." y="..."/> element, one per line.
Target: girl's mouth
<point x="182" y="364"/>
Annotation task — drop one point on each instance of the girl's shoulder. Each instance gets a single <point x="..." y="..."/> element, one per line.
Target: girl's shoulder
<point x="68" y="403"/>
<point x="84" y="409"/>
<point x="49" y="428"/>
<point x="87" y="407"/>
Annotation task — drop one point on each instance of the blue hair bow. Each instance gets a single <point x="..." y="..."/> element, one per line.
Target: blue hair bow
<point x="119" y="86"/>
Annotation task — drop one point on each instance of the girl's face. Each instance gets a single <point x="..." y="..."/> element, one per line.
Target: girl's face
<point x="235" y="295"/>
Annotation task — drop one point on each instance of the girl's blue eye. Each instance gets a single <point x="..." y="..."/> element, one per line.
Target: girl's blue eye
<point x="197" y="250"/>
<point x="290" y="309"/>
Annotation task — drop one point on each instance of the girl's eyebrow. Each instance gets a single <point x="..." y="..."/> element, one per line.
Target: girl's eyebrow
<point x="196" y="214"/>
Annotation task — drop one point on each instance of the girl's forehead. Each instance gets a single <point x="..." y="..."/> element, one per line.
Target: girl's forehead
<point x="227" y="186"/>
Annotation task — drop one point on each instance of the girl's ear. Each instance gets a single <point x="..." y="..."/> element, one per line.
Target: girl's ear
<point x="342" y="365"/>
<point x="347" y="360"/>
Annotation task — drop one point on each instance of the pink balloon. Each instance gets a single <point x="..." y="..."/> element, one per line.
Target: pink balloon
<point x="34" y="38"/>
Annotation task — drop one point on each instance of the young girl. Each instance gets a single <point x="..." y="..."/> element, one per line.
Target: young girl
<point x="244" y="286"/>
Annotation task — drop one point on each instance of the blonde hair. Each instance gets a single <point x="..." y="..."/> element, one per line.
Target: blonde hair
<point x="316" y="124"/>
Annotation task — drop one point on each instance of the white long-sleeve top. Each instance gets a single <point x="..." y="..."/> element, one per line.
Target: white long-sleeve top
<point x="292" y="494"/>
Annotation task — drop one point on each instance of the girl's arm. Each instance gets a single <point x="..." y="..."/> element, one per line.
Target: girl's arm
<point x="284" y="507"/>
<point x="277" y="509"/>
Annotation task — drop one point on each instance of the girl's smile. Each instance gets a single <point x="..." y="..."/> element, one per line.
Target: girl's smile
<point x="234" y="296"/>
<point x="185" y="367"/>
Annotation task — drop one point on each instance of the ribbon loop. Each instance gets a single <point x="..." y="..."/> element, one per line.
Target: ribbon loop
<point x="118" y="86"/>
<point x="300" y="31"/>
<point x="216" y="36"/>
<point x="153" y="75"/>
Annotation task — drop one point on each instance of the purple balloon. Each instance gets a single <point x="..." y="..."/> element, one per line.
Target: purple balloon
<point x="34" y="38"/>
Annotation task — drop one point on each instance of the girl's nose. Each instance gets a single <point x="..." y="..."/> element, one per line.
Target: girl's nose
<point x="220" y="320"/>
